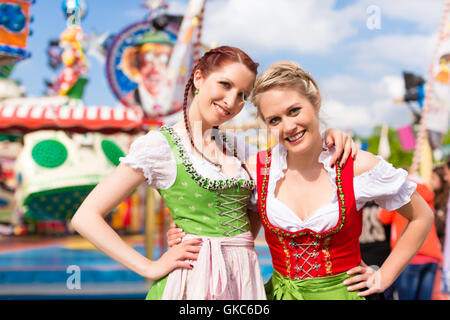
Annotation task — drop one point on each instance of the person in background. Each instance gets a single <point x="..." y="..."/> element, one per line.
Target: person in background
<point x="375" y="243"/>
<point x="440" y="189"/>
<point x="417" y="281"/>
<point x="446" y="263"/>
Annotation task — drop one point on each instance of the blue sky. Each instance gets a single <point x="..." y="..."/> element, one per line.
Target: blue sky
<point x="358" y="69"/>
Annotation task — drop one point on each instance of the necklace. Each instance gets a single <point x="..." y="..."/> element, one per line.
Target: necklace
<point x="224" y="149"/>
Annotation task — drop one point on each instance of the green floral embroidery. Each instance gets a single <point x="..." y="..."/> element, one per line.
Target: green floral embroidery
<point x="202" y="181"/>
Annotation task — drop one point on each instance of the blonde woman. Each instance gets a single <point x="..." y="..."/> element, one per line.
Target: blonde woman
<point x="311" y="212"/>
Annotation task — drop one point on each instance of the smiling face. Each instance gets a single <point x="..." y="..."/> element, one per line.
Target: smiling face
<point x="222" y="93"/>
<point x="291" y="118"/>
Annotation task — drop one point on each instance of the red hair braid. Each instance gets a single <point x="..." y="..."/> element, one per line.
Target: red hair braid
<point x="211" y="61"/>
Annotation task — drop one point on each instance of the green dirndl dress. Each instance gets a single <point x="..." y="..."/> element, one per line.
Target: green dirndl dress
<point x="216" y="209"/>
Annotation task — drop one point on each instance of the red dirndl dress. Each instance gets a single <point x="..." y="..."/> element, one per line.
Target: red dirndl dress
<point x="309" y="264"/>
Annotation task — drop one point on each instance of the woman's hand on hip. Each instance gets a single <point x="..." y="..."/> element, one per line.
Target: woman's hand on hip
<point x="365" y="277"/>
<point x="179" y="256"/>
<point x="174" y="235"/>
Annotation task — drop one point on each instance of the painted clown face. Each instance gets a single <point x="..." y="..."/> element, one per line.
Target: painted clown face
<point x="147" y="64"/>
<point x="153" y="59"/>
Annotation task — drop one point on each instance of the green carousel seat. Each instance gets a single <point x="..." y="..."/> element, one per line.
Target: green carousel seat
<point x="56" y="172"/>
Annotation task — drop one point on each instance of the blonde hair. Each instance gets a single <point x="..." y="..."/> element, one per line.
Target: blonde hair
<point x="286" y="74"/>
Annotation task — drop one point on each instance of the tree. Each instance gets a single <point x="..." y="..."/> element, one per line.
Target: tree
<point x="399" y="158"/>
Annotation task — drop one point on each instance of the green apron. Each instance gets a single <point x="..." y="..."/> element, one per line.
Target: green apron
<point x="323" y="288"/>
<point x="202" y="206"/>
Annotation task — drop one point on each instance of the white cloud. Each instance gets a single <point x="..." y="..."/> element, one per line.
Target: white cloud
<point x="134" y="13"/>
<point x="355" y="90"/>
<point x="402" y="51"/>
<point x="338" y="114"/>
<point x="394" y="85"/>
<point x="177" y="7"/>
<point x="310" y="27"/>
<point x="351" y="102"/>
<point x="427" y="14"/>
<point x="265" y="28"/>
<point x="297" y="26"/>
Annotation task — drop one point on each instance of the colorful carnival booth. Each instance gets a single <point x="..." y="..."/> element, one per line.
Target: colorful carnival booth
<point x="58" y="140"/>
<point x="14" y="31"/>
<point x="60" y="134"/>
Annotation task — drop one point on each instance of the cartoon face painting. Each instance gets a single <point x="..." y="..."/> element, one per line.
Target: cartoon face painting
<point x="146" y="63"/>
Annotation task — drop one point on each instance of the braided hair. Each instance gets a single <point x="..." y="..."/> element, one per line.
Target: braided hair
<point x="211" y="61"/>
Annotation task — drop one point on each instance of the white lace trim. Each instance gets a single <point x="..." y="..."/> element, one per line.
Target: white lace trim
<point x="152" y="154"/>
<point x="384" y="184"/>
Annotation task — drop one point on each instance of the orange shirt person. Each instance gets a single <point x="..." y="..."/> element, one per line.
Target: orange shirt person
<point x="429" y="254"/>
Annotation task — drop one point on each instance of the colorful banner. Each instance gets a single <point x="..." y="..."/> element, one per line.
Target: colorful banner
<point x="407" y="139"/>
<point x="14" y="30"/>
<point x="384" y="148"/>
<point x="434" y="115"/>
<point x="180" y="62"/>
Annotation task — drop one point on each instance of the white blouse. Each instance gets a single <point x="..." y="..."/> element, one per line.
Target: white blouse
<point x="384" y="184"/>
<point x="152" y="154"/>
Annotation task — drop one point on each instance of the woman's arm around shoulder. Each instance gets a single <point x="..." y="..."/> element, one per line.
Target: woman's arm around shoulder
<point x="255" y="222"/>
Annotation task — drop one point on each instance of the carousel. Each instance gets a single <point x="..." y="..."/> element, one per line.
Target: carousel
<point x="55" y="149"/>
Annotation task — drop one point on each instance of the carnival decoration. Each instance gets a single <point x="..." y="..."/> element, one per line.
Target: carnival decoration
<point x="62" y="134"/>
<point x="97" y="45"/>
<point x="53" y="173"/>
<point x="54" y="54"/>
<point x="414" y="94"/>
<point x="406" y="136"/>
<point x="14" y="30"/>
<point x="72" y="79"/>
<point x="435" y="112"/>
<point x="7" y="205"/>
<point x="10" y="147"/>
<point x="60" y="113"/>
<point x="384" y="148"/>
<point x="148" y="62"/>
<point x="74" y="10"/>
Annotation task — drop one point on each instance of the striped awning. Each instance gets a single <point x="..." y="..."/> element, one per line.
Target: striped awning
<point x="104" y="119"/>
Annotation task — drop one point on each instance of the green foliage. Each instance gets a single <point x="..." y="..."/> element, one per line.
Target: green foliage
<point x="399" y="158"/>
<point x="446" y="140"/>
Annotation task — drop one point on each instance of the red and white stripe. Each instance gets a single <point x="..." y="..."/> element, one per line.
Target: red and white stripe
<point x="76" y="118"/>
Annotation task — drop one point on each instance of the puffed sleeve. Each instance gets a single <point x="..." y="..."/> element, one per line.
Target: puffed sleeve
<point x="387" y="186"/>
<point x="152" y="154"/>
